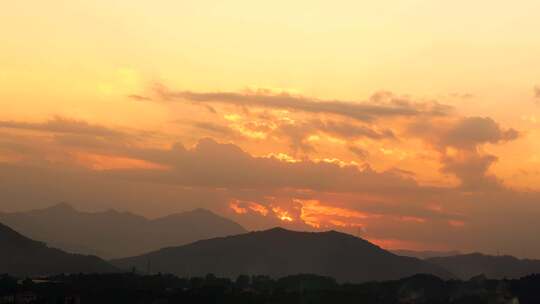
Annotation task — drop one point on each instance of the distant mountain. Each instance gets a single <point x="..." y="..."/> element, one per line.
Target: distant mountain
<point x="278" y="252"/>
<point x="113" y="234"/>
<point x="426" y="254"/>
<point x="22" y="256"/>
<point x="496" y="267"/>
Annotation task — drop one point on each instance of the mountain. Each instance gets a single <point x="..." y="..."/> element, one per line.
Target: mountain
<point x="22" y="256"/>
<point x="278" y="252"/>
<point x="426" y="254"/>
<point x="113" y="234"/>
<point x="467" y="266"/>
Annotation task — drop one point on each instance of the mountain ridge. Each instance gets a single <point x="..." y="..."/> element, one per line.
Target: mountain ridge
<point x="466" y="266"/>
<point x="23" y="256"/>
<point x="425" y="254"/>
<point x="113" y="234"/>
<point x="279" y="252"/>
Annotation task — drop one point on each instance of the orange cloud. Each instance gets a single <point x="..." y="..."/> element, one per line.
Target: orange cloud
<point x="413" y="219"/>
<point x="393" y="244"/>
<point x="282" y="214"/>
<point x="236" y="208"/>
<point x="262" y="210"/>
<point x="317" y="215"/>
<point x="456" y="223"/>
<point x="380" y="105"/>
<point x="243" y="207"/>
<point x="106" y="162"/>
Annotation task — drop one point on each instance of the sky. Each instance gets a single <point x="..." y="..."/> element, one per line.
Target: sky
<point x="412" y="123"/>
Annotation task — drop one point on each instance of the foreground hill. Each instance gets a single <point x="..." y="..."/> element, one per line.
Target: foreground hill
<point x="113" y="234"/>
<point x="22" y="256"/>
<point x="278" y="252"/>
<point x="467" y="266"/>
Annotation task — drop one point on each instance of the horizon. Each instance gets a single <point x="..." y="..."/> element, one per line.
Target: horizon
<point x="99" y="212"/>
<point x="413" y="124"/>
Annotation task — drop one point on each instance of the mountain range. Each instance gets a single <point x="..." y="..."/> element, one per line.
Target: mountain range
<point x="199" y="242"/>
<point x="278" y="252"/>
<point x="466" y="266"/>
<point x="113" y="234"/>
<point x="22" y="256"/>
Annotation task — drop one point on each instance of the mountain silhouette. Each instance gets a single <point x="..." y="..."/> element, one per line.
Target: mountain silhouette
<point x="113" y="234"/>
<point x="278" y="252"/>
<point x="425" y="254"/>
<point x="22" y="256"/>
<point x="467" y="266"/>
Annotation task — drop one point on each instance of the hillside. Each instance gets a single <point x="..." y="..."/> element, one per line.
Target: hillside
<point x="278" y="252"/>
<point x="424" y="254"/>
<point x="22" y="256"/>
<point x="113" y="234"/>
<point x="467" y="266"/>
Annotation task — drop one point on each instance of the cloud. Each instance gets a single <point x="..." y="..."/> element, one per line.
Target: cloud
<point x="461" y="132"/>
<point x="94" y="164"/>
<point x="458" y="140"/>
<point x="211" y="164"/>
<point x="64" y="125"/>
<point x="318" y="215"/>
<point x="462" y="95"/>
<point x="385" y="205"/>
<point x="471" y="169"/>
<point x="298" y="131"/>
<point x="537" y="92"/>
<point x="351" y="131"/>
<point x="359" y="152"/>
<point x="139" y="97"/>
<point x="470" y="132"/>
<point x="213" y="128"/>
<point x="380" y="106"/>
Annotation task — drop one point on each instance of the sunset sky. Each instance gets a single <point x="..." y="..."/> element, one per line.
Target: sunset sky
<point x="412" y="123"/>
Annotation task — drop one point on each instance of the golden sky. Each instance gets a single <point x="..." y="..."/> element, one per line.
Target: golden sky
<point x="412" y="123"/>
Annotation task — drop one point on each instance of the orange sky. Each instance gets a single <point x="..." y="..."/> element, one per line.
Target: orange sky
<point x="411" y="123"/>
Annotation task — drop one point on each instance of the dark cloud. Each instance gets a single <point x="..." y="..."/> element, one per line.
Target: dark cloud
<point x="461" y="132"/>
<point x="214" y="128"/>
<point x="465" y="135"/>
<point x="462" y="95"/>
<point x="380" y="106"/>
<point x="211" y="109"/>
<point x="471" y="168"/>
<point x="210" y="174"/>
<point x="537" y="92"/>
<point x="470" y="132"/>
<point x="298" y="132"/>
<point x="297" y="135"/>
<point x="139" y="97"/>
<point x="214" y="165"/>
<point x="210" y="164"/>
<point x="64" y="125"/>
<point x="359" y="152"/>
<point x="351" y="131"/>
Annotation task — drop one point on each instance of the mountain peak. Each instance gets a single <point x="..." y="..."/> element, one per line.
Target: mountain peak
<point x="5" y="230"/>
<point x="201" y="211"/>
<point x="279" y="229"/>
<point x="81" y="231"/>
<point x="466" y="266"/>
<point x="279" y="252"/>
<point x="333" y="233"/>
<point x="23" y="256"/>
<point x="63" y="206"/>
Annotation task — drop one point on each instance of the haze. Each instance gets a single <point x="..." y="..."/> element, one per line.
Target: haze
<point x="412" y="123"/>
